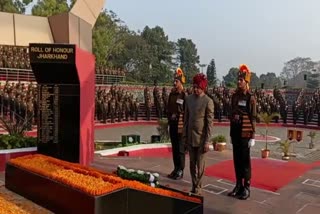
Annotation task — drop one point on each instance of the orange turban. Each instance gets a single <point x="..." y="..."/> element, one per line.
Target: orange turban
<point x="179" y="75"/>
<point x="245" y="73"/>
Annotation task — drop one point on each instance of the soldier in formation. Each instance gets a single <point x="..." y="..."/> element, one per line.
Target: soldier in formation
<point x="17" y="103"/>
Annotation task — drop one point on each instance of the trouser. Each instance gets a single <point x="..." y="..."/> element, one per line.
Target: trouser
<point x="241" y="158"/>
<point x="197" y="166"/>
<point x="178" y="148"/>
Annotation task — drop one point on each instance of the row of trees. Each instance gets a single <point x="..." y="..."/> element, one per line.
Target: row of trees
<point x="297" y="73"/>
<point x="147" y="55"/>
<point x="150" y="55"/>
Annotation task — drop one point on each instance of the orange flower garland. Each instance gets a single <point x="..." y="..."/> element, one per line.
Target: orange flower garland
<point x="86" y="179"/>
<point x="10" y="203"/>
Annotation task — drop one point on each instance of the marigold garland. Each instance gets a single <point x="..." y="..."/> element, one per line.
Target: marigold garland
<point x="10" y="203"/>
<point x="86" y="179"/>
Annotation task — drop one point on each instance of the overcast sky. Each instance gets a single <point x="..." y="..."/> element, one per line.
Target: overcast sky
<point x="261" y="34"/>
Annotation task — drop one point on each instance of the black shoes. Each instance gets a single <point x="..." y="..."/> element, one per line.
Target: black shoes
<point x="236" y="190"/>
<point x="172" y="174"/>
<point x="241" y="191"/>
<point x="245" y="194"/>
<point x="176" y="175"/>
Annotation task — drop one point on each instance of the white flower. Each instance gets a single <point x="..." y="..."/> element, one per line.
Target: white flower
<point x="156" y="175"/>
<point x="140" y="172"/>
<point x="151" y="179"/>
<point x="152" y="184"/>
<point x="122" y="167"/>
<point x="148" y="173"/>
<point x="130" y="170"/>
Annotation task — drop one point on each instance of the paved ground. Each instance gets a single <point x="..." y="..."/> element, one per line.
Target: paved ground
<point x="300" y="196"/>
<point x="294" y="198"/>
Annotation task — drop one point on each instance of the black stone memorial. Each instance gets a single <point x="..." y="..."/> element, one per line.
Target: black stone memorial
<point x="59" y="100"/>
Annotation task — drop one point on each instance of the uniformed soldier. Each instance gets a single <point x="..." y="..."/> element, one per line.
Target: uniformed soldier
<point x="105" y="109"/>
<point x="148" y="105"/>
<point x="164" y="99"/>
<point x="126" y="105"/>
<point x="175" y="115"/>
<point x="136" y="109"/>
<point x="29" y="114"/>
<point x="112" y="109"/>
<point x="242" y="132"/>
<point x="120" y="110"/>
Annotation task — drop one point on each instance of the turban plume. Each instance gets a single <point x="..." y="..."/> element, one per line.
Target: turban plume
<point x="245" y="73"/>
<point x="179" y="75"/>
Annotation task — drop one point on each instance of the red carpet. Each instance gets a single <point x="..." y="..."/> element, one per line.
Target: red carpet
<point x="316" y="164"/>
<point x="153" y="153"/>
<point x="266" y="173"/>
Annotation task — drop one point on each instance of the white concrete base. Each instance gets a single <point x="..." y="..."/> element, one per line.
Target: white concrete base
<point x="8" y="151"/>
<point x="114" y="151"/>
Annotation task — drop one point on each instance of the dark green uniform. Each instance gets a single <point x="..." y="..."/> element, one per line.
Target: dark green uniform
<point x="241" y="131"/>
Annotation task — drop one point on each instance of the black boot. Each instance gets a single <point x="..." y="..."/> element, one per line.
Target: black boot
<point x="245" y="194"/>
<point x="237" y="189"/>
<point x="172" y="174"/>
<point x="178" y="175"/>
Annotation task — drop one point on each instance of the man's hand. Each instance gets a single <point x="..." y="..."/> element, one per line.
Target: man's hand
<point x="206" y="147"/>
<point x="173" y="117"/>
<point x="251" y="143"/>
<point x="186" y="148"/>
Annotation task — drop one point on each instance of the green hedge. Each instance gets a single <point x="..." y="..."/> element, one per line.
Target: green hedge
<point x="15" y="142"/>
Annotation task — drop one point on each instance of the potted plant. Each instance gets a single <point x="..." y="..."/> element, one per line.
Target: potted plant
<point x="284" y="147"/>
<point x="312" y="135"/>
<point x="266" y="119"/>
<point x="219" y="142"/>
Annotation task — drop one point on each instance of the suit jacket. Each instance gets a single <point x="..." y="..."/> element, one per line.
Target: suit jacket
<point x="198" y="120"/>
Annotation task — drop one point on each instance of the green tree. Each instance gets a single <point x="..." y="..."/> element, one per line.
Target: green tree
<point x="295" y="66"/>
<point x="255" y="81"/>
<point x="188" y="57"/>
<point x="14" y="6"/>
<point x="50" y="7"/>
<point x="212" y="73"/>
<point x="158" y="66"/>
<point x="135" y="58"/>
<point x="270" y="80"/>
<point x="108" y="38"/>
<point x="230" y="80"/>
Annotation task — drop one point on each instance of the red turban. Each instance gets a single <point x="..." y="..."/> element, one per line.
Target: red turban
<point x="200" y="80"/>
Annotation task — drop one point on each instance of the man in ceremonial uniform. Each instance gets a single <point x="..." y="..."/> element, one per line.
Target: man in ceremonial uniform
<point x="175" y="110"/>
<point x="197" y="130"/>
<point x="242" y="132"/>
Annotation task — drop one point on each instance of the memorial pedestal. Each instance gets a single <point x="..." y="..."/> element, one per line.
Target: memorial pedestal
<point x="61" y="198"/>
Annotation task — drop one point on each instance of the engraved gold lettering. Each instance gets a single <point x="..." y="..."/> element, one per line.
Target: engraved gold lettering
<point x="53" y="56"/>
<point x="36" y="50"/>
